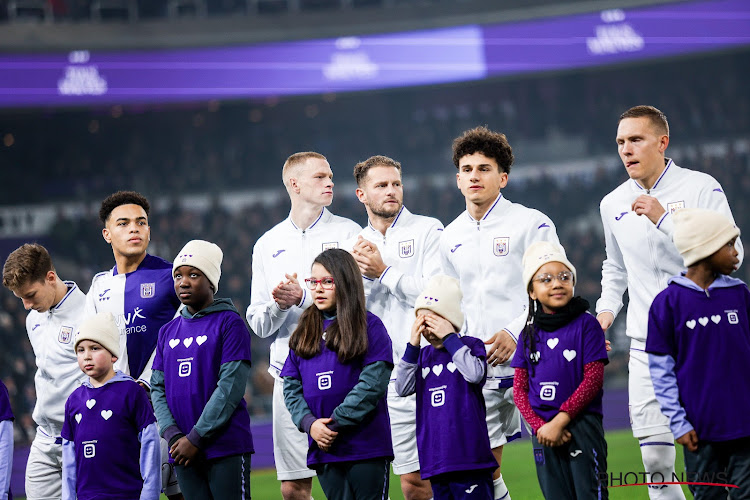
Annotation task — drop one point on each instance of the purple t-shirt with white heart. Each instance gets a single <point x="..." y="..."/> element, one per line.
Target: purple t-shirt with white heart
<point x="708" y="335"/>
<point x="451" y="414"/>
<point x="190" y="352"/>
<point x="104" y="424"/>
<point x="325" y="384"/>
<point x="562" y="356"/>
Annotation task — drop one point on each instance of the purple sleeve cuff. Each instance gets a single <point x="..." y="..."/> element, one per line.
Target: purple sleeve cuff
<point x="453" y="343"/>
<point x="172" y="434"/>
<point x="307" y="422"/>
<point x="195" y="438"/>
<point x="411" y="354"/>
<point x="334" y="426"/>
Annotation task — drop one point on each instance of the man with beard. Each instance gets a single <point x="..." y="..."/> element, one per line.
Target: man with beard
<point x="397" y="253"/>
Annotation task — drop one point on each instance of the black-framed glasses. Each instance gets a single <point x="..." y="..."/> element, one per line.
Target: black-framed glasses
<point x="326" y="282"/>
<point x="563" y="277"/>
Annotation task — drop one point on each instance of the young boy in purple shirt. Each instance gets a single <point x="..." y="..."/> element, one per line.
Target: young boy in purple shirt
<point x="6" y="443"/>
<point x="698" y="347"/>
<point x="110" y="440"/>
<point x="448" y="375"/>
<point x="200" y="369"/>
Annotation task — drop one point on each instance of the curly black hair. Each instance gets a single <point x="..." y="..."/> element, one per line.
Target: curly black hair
<point x="483" y="140"/>
<point x="122" y="198"/>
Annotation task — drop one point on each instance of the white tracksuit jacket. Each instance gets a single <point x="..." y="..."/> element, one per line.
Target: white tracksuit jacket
<point x="287" y="249"/>
<point x="410" y="250"/>
<point x="641" y="256"/>
<point x="486" y="256"/>
<point x="52" y="336"/>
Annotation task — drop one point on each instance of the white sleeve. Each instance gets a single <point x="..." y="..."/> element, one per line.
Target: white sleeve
<point x="89" y="308"/>
<point x="263" y="314"/>
<point x="68" y="470"/>
<point x="6" y="457"/>
<point x="516" y="326"/>
<point x="614" y="274"/>
<point x="446" y="267"/>
<point x="145" y="376"/>
<point x="405" y="287"/>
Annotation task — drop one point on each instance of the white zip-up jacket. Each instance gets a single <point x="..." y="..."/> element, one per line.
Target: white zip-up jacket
<point x="52" y="336"/>
<point x="410" y="250"/>
<point x="287" y="249"/>
<point x="641" y="256"/>
<point x="486" y="256"/>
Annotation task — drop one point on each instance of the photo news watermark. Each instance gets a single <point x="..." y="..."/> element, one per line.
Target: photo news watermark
<point x="658" y="481"/>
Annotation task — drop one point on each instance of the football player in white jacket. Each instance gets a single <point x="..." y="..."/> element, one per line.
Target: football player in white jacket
<point x="641" y="257"/>
<point x="55" y="310"/>
<point x="397" y="253"/>
<point x="483" y="247"/>
<point x="282" y="258"/>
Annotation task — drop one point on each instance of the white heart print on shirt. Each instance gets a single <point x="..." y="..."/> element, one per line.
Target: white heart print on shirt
<point x="188" y="341"/>
<point x="552" y="343"/>
<point x="690" y="324"/>
<point x="425" y="371"/>
<point x="78" y="417"/>
<point x="437" y="369"/>
<point x="90" y="403"/>
<point x="703" y="321"/>
<point x="199" y="340"/>
<point x="451" y="367"/>
<point x="106" y="414"/>
<point x="716" y="318"/>
<point x="174" y="343"/>
<point x="569" y="354"/>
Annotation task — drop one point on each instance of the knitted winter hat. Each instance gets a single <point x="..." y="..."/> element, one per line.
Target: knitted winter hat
<point x="698" y="233"/>
<point x="443" y="296"/>
<point x="101" y="328"/>
<point x="202" y="255"/>
<point x="540" y="253"/>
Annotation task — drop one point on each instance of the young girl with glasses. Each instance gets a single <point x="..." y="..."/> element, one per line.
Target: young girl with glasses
<point x="558" y="379"/>
<point x="335" y="382"/>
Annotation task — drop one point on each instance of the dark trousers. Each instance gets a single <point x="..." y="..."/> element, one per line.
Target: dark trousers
<point x="360" y="480"/>
<point x="726" y="462"/>
<point x="224" y="478"/>
<point x="575" y="469"/>
<point x="463" y="485"/>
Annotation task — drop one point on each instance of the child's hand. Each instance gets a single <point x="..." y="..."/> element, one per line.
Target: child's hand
<point x="322" y="435"/>
<point x="438" y="325"/>
<point x="608" y="345"/>
<point x="183" y="451"/>
<point x="416" y="331"/>
<point x="554" y="433"/>
<point x="689" y="441"/>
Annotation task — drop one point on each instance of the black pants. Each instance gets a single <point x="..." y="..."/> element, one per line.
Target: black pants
<point x="360" y="480"/>
<point x="726" y="462"/>
<point x="575" y="470"/>
<point x="225" y="478"/>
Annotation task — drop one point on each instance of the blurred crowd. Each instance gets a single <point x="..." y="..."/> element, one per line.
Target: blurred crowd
<point x="220" y="148"/>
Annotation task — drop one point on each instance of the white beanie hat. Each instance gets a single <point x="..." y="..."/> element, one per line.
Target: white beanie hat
<point x="202" y="255"/>
<point x="540" y="253"/>
<point x="443" y="296"/>
<point x="698" y="233"/>
<point x="102" y="329"/>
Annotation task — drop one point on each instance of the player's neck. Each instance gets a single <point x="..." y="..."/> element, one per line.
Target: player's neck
<point x="128" y="263"/>
<point x="701" y="274"/>
<point x="61" y="290"/>
<point x="380" y="224"/>
<point x="477" y="211"/>
<point x="304" y="214"/>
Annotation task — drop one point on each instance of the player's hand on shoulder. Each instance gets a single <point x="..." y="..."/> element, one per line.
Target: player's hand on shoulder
<point x="648" y="206"/>
<point x="501" y="348"/>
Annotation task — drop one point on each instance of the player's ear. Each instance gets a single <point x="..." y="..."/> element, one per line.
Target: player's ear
<point x="105" y="234"/>
<point x="360" y="195"/>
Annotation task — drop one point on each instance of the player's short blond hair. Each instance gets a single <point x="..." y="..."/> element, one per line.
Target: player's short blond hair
<point x="655" y="116"/>
<point x="294" y="162"/>
<point x="28" y="263"/>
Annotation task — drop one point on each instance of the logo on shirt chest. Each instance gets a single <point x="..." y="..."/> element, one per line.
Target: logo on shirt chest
<point x="675" y="206"/>
<point x="329" y="245"/>
<point x="501" y="246"/>
<point x="325" y="380"/>
<point x="148" y="290"/>
<point x="406" y="249"/>
<point x="65" y="335"/>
